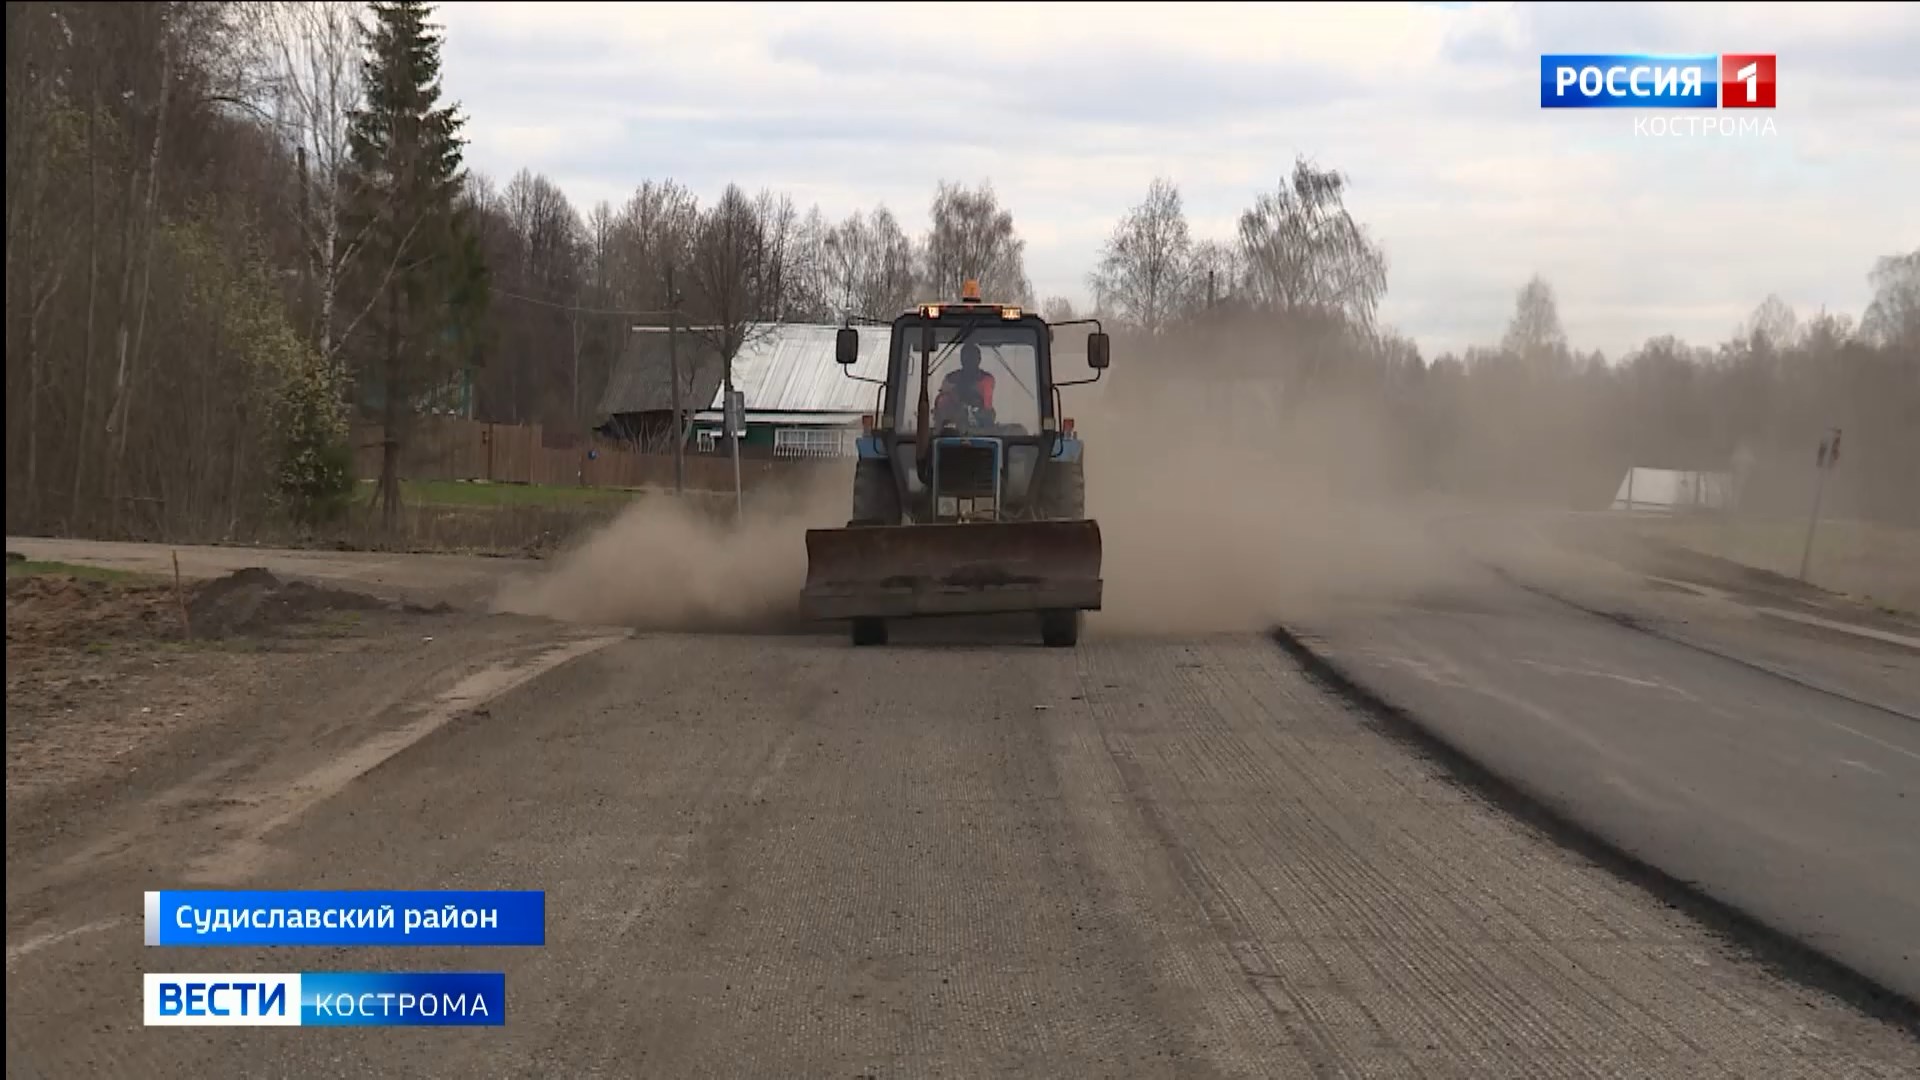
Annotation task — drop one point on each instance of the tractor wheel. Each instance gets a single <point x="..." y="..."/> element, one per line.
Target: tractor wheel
<point x="1066" y="494"/>
<point x="869" y="631"/>
<point x="876" y="501"/>
<point x="1060" y="629"/>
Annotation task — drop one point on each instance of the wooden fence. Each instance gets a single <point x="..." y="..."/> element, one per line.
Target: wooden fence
<point x="454" y="448"/>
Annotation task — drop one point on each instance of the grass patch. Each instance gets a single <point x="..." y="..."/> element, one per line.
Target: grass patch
<point x="467" y="493"/>
<point x="30" y="567"/>
<point x="1878" y="562"/>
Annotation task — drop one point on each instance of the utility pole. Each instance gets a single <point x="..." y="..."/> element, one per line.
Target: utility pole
<point x="734" y="413"/>
<point x="573" y="329"/>
<point x="673" y="376"/>
<point x="1828" y="458"/>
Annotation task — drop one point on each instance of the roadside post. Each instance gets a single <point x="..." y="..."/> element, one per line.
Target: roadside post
<point x="736" y="428"/>
<point x="673" y="387"/>
<point x="1828" y="457"/>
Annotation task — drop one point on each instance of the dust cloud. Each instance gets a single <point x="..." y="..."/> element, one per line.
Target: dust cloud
<point x="1226" y="505"/>
<point x="681" y="563"/>
<point x="1219" y="512"/>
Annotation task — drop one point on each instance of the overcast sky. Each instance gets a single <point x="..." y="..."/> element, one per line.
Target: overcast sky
<point x="1431" y="109"/>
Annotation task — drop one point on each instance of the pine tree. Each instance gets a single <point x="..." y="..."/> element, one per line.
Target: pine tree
<point x="418" y="278"/>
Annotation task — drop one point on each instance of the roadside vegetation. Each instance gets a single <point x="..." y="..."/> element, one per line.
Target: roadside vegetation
<point x="484" y="494"/>
<point x="211" y="278"/>
<point x="1877" y="562"/>
<point x="26" y="568"/>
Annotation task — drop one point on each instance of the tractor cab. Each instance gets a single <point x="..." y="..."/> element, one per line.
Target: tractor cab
<point x="969" y="495"/>
<point x="970" y="411"/>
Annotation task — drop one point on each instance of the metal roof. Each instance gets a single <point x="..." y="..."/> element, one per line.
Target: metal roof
<point x="789" y="368"/>
<point x="783" y="367"/>
<point x="640" y="382"/>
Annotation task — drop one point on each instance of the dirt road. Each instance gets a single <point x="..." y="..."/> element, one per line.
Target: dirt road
<point x="461" y="580"/>
<point x="782" y="856"/>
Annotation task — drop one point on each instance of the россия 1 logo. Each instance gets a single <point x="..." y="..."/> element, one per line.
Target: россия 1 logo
<point x="1641" y="81"/>
<point x="1746" y="80"/>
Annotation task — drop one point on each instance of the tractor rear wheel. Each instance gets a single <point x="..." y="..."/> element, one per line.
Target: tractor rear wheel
<point x="1060" y="629"/>
<point x="876" y="501"/>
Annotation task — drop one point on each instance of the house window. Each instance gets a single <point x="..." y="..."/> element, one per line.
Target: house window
<point x="705" y="439"/>
<point x="812" y="442"/>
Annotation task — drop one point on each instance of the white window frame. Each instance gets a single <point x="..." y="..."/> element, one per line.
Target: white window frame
<point x="812" y="442"/>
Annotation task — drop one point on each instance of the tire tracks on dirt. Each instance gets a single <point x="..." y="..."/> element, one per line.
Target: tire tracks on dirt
<point x="1142" y="857"/>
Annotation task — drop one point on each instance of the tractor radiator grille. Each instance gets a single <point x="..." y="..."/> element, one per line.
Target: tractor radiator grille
<point x="966" y="472"/>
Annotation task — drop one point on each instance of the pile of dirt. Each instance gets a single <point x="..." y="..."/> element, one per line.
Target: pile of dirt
<point x="61" y="610"/>
<point x="254" y="600"/>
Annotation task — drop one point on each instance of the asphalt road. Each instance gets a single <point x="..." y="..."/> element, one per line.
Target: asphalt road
<point x="780" y="856"/>
<point x="1763" y="748"/>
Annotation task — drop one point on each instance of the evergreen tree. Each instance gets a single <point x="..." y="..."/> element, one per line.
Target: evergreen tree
<point x="417" y="275"/>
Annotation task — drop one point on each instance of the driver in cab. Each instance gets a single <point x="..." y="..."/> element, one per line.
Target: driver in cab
<point x="966" y="388"/>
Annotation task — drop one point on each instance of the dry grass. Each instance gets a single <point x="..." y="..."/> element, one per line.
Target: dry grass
<point x="1859" y="558"/>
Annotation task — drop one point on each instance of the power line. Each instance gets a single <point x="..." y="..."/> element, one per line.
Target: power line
<point x="867" y="320"/>
<point x="578" y="310"/>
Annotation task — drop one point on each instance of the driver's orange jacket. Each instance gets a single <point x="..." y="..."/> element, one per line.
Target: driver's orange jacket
<point x="956" y="381"/>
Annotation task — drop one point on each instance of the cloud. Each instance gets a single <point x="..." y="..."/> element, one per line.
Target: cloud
<point x="1431" y="110"/>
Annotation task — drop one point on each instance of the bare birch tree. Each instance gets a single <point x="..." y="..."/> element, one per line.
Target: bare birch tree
<point x="868" y="266"/>
<point x="1534" y="336"/>
<point x="1144" y="268"/>
<point x="1772" y="325"/>
<point x="725" y="273"/>
<point x="973" y="236"/>
<point x="1892" y="319"/>
<point x="1306" y="253"/>
<point x="313" y="83"/>
<point x="1216" y="273"/>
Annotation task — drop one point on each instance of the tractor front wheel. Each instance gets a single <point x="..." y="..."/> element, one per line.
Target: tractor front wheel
<point x="1065" y="498"/>
<point x="1060" y="629"/>
<point x="876" y="501"/>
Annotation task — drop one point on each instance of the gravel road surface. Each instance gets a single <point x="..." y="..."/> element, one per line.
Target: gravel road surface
<point x="779" y="856"/>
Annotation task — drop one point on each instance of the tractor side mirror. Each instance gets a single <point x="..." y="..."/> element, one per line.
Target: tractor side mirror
<point x="1098" y="350"/>
<point x="846" y="345"/>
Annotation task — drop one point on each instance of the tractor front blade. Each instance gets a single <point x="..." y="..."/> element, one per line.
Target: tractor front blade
<point x="902" y="571"/>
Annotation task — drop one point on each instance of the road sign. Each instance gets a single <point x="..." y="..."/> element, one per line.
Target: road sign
<point x="1829" y="454"/>
<point x="736" y="414"/>
<point x="1828" y="457"/>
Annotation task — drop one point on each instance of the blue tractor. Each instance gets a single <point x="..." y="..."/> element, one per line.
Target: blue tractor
<point x="969" y="495"/>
